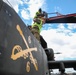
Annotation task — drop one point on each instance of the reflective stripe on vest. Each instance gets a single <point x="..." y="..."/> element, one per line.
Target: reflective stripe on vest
<point x="38" y="25"/>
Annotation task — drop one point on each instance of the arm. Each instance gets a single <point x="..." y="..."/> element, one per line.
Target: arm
<point x="40" y="14"/>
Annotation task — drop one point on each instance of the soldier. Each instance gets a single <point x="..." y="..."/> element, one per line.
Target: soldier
<point x="39" y="20"/>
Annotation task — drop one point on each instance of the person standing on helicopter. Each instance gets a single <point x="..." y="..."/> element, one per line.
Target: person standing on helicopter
<point x="39" y="20"/>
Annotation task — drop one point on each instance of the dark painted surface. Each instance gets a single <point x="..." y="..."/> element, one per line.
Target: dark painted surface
<point x="67" y="64"/>
<point x="20" y="52"/>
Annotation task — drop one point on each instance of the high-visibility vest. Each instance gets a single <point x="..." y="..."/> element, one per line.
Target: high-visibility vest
<point x="38" y="25"/>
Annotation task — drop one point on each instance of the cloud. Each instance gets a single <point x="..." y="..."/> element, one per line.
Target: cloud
<point x="71" y="25"/>
<point x="66" y="28"/>
<point x="25" y="14"/>
<point x="68" y="71"/>
<point x="60" y="40"/>
<point x="33" y="6"/>
<point x="14" y="4"/>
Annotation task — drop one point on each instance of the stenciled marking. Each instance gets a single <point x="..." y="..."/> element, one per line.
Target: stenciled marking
<point x="24" y="53"/>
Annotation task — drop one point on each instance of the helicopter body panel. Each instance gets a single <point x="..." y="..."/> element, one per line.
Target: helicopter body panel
<point x="20" y="52"/>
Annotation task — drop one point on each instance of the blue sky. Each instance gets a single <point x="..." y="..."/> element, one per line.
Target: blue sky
<point x="62" y="6"/>
<point x="59" y="36"/>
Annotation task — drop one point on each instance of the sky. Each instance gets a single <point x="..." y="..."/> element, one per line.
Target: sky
<point x="59" y="36"/>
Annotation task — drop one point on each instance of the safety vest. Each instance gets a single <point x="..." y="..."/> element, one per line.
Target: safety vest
<point x="38" y="25"/>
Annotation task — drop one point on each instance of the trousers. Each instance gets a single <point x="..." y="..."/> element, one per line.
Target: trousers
<point x="35" y="32"/>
